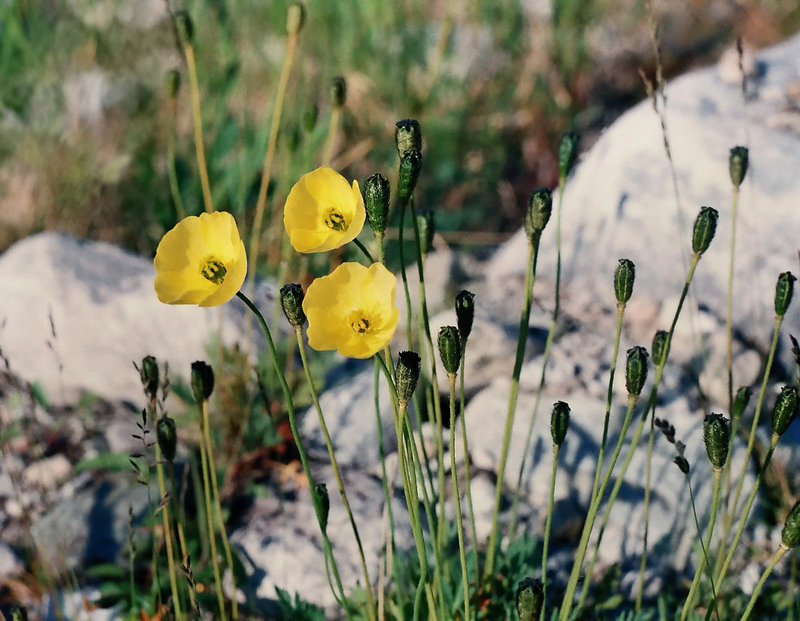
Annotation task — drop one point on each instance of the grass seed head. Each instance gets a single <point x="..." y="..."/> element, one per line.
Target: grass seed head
<point x="295" y="18"/>
<point x="465" y="312"/>
<point x="567" y="153"/>
<point x="149" y="375"/>
<point x="167" y="437"/>
<point x="529" y="599"/>
<point x="740" y="402"/>
<point x="790" y="537"/>
<point x="785" y="410"/>
<point x="660" y="347"/>
<point x="338" y="91"/>
<point x="407" y="136"/>
<point x="202" y="380"/>
<point x="427" y="229"/>
<point x="410" y="166"/>
<point x="540" y="207"/>
<point x="408" y="367"/>
<point x="717" y="437"/>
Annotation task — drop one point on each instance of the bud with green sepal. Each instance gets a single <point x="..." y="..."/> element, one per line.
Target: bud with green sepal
<point x="624" y="277"/>
<point x="785" y="410"/>
<point x="172" y="83"/>
<point x="790" y="537"/>
<point x="427" y="228"/>
<point x="376" y="201"/>
<point x="410" y="165"/>
<point x="705" y="227"/>
<point x="148" y="373"/>
<point x="740" y="402"/>
<point x="465" y="312"/>
<point x="184" y="27"/>
<point x="529" y="599"/>
<point x="660" y="348"/>
<point x="202" y="380"/>
<point x="559" y="422"/>
<point x="636" y="370"/>
<point x="292" y="302"/>
<point x="540" y="207"/>
<point x="295" y="18"/>
<point x="324" y="504"/>
<point x="407" y="375"/>
<point x="737" y="164"/>
<point x="338" y="91"/>
<point x="450" y="348"/>
<point x="567" y="153"/>
<point x="717" y="437"/>
<point x="784" y="291"/>
<point x="407" y="136"/>
<point x="167" y="437"/>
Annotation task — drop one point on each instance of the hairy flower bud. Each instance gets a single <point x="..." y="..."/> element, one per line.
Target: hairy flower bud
<point x="529" y="599"/>
<point x="559" y="422"/>
<point x="376" y="202"/>
<point x="295" y="18"/>
<point x="410" y="165"/>
<point x="624" y="277"/>
<point x="148" y="373"/>
<point x="172" y="83"/>
<point x="567" y="153"/>
<point x="740" y="402"/>
<point x="636" y="370"/>
<point x="324" y="504"/>
<point x="338" y="91"/>
<point x="184" y="27"/>
<point x="407" y="136"/>
<point x="450" y="348"/>
<point x="427" y="228"/>
<point x="705" y="227"/>
<point x="202" y="380"/>
<point x="407" y="371"/>
<point x="465" y="312"/>
<point x="790" y="537"/>
<point x="540" y="207"/>
<point x="785" y="410"/>
<point x="717" y="437"/>
<point x="783" y="293"/>
<point x="737" y="164"/>
<point x="167" y="437"/>
<point x="660" y="347"/>
<point x="292" y="302"/>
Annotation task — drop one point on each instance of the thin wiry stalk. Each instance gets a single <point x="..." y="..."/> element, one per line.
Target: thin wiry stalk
<point x="703" y="546"/>
<point x="194" y="88"/>
<point x="548" y="523"/>
<point x="779" y="554"/>
<point x="473" y="528"/>
<point x="457" y="496"/>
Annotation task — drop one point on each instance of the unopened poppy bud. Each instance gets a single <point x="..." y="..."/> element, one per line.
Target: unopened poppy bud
<point x="376" y="202"/>
<point x="636" y="370"/>
<point x="567" y="153"/>
<point x="783" y="293"/>
<point x="785" y="410"/>
<point x="410" y="165"/>
<point x="172" y="83"/>
<point x="292" y="302"/>
<point x="184" y="27"/>
<point x="717" y="437"/>
<point x="324" y="504"/>
<point x="740" y="402"/>
<point x="682" y="463"/>
<point x="167" y="437"/>
<point x="338" y="91"/>
<point x="790" y="537"/>
<point x="202" y="380"/>
<point x="529" y="599"/>
<point x="660" y="347"/>
<point x="310" y="117"/>
<point x="705" y="227"/>
<point x="540" y="207"/>
<point x="450" y="348"/>
<point x="624" y="277"/>
<point x="148" y="373"/>
<point x="295" y="18"/>
<point x="407" y="136"/>
<point x="407" y="373"/>
<point x="427" y="228"/>
<point x="737" y="164"/>
<point x="465" y="312"/>
<point x="559" y="422"/>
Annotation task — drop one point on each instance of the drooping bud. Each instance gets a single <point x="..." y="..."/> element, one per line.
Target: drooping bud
<point x="624" y="277"/>
<point x="660" y="347"/>
<point x="705" y="227"/>
<point x="292" y="302"/>
<point x="790" y="537"/>
<point x="338" y="91"/>
<point x="783" y="293"/>
<point x="295" y="18"/>
<point x="559" y="422"/>
<point x="184" y="27"/>
<point x="407" y="372"/>
<point x="427" y="228"/>
<point x="376" y="201"/>
<point x="737" y="164"/>
<point x="567" y="153"/>
<point x="717" y="437"/>
<point x="636" y="370"/>
<point x="785" y="410"/>
<point x="167" y="437"/>
<point x="540" y="207"/>
<point x="740" y="402"/>
<point x="465" y="312"/>
<point x="310" y="118"/>
<point x="202" y="380"/>
<point x="172" y="83"/>
<point x="529" y="599"/>
<point x="407" y="136"/>
<point x="325" y="504"/>
<point x="410" y="165"/>
<point x="450" y="348"/>
<point x="148" y="373"/>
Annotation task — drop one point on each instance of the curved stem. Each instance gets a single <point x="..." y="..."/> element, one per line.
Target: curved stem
<point x="548" y="523"/>
<point x="364" y="250"/>
<point x="457" y="496"/>
<point x="782" y="550"/>
<point x="194" y="87"/>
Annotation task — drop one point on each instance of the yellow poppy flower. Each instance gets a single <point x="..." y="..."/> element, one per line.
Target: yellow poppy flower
<point x="323" y="212"/>
<point x="201" y="261"/>
<point x="352" y="310"/>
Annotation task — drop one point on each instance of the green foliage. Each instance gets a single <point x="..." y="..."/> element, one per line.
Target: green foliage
<point x="296" y="609"/>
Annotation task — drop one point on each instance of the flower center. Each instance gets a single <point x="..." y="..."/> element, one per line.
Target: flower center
<point x="214" y="270"/>
<point x="335" y="220"/>
<point x="359" y="323"/>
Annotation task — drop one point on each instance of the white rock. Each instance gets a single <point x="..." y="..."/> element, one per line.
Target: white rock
<point x="10" y="564"/>
<point x="48" y="473"/>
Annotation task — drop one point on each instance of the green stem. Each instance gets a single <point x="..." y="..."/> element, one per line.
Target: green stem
<point x="473" y="528"/>
<point x="703" y="547"/>
<point x="643" y="563"/>
<point x="194" y="87"/>
<point x="547" y="525"/>
<point x="173" y="579"/>
<point x="172" y="173"/>
<point x="330" y="140"/>
<point x="457" y="495"/>
<point x="729" y="333"/>
<point x="364" y="250"/>
<point x="530" y="278"/>
<point x="179" y="520"/>
<point x="782" y="550"/>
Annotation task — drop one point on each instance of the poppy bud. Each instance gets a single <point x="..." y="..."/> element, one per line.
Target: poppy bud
<point x="540" y="207"/>
<point x="184" y="27"/>
<point x="450" y="348"/>
<point x="660" y="347"/>
<point x="338" y="91"/>
<point x="636" y="370"/>
<point x="410" y="165"/>
<point x="785" y="410"/>
<point x="790" y="537"/>
<point x="740" y="402"/>
<point x="407" y="136"/>
<point x="737" y="164"/>
<point x="202" y="380"/>
<point x="325" y="504"/>
<point x="783" y="293"/>
<point x="705" y="227"/>
<point x="624" y="277"/>
<point x="717" y="437"/>
<point x="465" y="312"/>
<point x="530" y="599"/>
<point x="376" y="202"/>
<point x="427" y="229"/>
<point x="148" y="373"/>
<point x="292" y="302"/>
<point x="559" y="422"/>
<point x="295" y="18"/>
<point x="407" y="373"/>
<point x="567" y="153"/>
<point x="172" y="83"/>
<point x="167" y="437"/>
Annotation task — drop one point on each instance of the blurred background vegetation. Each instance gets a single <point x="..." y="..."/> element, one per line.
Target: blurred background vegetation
<point x="83" y="121"/>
